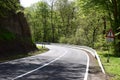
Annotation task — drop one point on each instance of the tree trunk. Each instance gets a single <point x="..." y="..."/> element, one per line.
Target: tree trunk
<point x="104" y="22"/>
<point x="116" y="26"/>
<point x="52" y="26"/>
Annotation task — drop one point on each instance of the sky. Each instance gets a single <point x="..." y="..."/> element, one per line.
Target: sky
<point x="27" y="3"/>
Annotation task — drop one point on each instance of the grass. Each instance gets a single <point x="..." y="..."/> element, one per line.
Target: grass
<point x="17" y="56"/>
<point x="113" y="67"/>
<point x="41" y="50"/>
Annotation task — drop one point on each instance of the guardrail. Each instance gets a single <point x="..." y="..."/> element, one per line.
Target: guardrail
<point x="94" y="53"/>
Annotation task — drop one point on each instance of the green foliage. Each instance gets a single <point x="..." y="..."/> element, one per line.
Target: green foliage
<point x="81" y="22"/>
<point x="101" y="43"/>
<point x="37" y="16"/>
<point x="112" y="8"/>
<point x="51" y="22"/>
<point x="63" y="40"/>
<point x="112" y="68"/>
<point x="7" y="6"/>
<point x="64" y="22"/>
<point x="6" y="35"/>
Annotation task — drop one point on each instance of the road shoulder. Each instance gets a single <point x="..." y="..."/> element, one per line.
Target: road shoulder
<point x="95" y="72"/>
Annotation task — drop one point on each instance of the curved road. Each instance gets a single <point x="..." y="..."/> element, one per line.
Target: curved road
<point x="59" y="63"/>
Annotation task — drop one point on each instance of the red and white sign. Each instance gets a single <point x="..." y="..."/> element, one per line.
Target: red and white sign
<point x="110" y="36"/>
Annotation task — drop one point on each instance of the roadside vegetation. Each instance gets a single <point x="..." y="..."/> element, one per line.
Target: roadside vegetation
<point x="112" y="67"/>
<point x="81" y="22"/>
<point x="6" y="35"/>
<point x="22" y="55"/>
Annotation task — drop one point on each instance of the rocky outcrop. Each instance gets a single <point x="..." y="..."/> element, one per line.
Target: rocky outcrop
<point x="15" y="34"/>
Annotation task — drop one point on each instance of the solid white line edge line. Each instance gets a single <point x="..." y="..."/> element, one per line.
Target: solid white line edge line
<point x="94" y="54"/>
<point x="39" y="67"/>
<point x="98" y="59"/>
<point x="87" y="67"/>
<point x="88" y="62"/>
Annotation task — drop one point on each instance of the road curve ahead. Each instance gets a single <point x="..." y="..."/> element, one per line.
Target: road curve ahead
<point x="59" y="63"/>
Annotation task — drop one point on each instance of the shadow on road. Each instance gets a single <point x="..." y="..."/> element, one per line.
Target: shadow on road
<point x="57" y="71"/>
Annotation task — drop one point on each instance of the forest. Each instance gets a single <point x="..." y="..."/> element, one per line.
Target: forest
<point x="79" y="22"/>
<point x="76" y="22"/>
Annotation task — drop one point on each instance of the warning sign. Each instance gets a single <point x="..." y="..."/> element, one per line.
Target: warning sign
<point x="110" y="36"/>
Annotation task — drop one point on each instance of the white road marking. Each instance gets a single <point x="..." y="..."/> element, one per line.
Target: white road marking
<point x="39" y="67"/>
<point x="87" y="67"/>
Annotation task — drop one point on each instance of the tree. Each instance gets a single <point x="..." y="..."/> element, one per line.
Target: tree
<point x="70" y="22"/>
<point x="112" y="7"/>
<point x="38" y="18"/>
<point x="66" y="12"/>
<point x="7" y="6"/>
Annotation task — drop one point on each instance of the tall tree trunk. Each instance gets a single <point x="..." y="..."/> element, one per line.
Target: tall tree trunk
<point x="116" y="26"/>
<point x="104" y="22"/>
<point x="63" y="22"/>
<point x="52" y="26"/>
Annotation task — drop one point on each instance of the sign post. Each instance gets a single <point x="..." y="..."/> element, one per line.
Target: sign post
<point x="110" y="38"/>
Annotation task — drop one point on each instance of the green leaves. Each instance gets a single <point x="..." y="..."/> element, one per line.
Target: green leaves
<point x="6" y="35"/>
<point x="78" y="22"/>
<point x="51" y="22"/>
<point x="111" y="10"/>
<point x="7" y="6"/>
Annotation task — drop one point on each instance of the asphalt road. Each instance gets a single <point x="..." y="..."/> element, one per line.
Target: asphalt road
<point x="59" y="63"/>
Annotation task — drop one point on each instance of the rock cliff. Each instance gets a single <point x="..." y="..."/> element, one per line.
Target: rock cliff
<point x="15" y="36"/>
